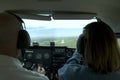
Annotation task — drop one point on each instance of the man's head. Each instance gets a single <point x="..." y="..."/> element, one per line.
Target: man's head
<point x="10" y="27"/>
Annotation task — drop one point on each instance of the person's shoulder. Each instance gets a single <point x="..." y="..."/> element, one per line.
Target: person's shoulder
<point x="32" y="75"/>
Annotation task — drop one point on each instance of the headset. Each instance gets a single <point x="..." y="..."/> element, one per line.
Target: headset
<point x="23" y="40"/>
<point x="81" y="45"/>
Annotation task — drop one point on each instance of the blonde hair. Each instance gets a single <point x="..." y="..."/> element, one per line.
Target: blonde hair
<point x="101" y="49"/>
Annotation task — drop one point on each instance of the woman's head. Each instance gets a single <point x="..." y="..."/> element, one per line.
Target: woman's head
<point x="101" y="48"/>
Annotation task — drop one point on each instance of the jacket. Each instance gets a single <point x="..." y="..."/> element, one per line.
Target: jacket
<point x="72" y="70"/>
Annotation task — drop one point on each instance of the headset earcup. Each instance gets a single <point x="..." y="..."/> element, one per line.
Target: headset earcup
<point x="23" y="39"/>
<point x="81" y="45"/>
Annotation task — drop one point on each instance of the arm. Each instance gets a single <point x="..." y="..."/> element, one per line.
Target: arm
<point x="70" y="68"/>
<point x="75" y="59"/>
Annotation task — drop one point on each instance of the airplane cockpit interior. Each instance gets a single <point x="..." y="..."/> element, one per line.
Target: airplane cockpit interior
<point x="52" y="43"/>
<point x="53" y="39"/>
<point x="55" y="25"/>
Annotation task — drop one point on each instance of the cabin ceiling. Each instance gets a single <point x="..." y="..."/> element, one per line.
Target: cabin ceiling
<point x="107" y="10"/>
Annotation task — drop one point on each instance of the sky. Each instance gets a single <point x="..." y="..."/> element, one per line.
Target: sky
<point x="55" y="28"/>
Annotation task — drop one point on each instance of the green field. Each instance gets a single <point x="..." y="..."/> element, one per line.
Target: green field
<point x="61" y="41"/>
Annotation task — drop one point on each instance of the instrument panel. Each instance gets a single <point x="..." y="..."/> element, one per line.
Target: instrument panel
<point x="49" y="57"/>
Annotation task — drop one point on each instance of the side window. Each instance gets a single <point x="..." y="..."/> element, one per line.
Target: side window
<point x="118" y="39"/>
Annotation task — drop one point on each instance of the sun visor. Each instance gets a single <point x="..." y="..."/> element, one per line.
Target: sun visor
<point x="73" y="16"/>
<point x="36" y="17"/>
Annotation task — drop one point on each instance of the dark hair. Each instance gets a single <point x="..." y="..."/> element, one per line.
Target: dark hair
<point x="81" y="45"/>
<point x="101" y="49"/>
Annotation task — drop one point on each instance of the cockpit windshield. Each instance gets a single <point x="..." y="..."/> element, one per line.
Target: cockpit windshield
<point x="60" y="32"/>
